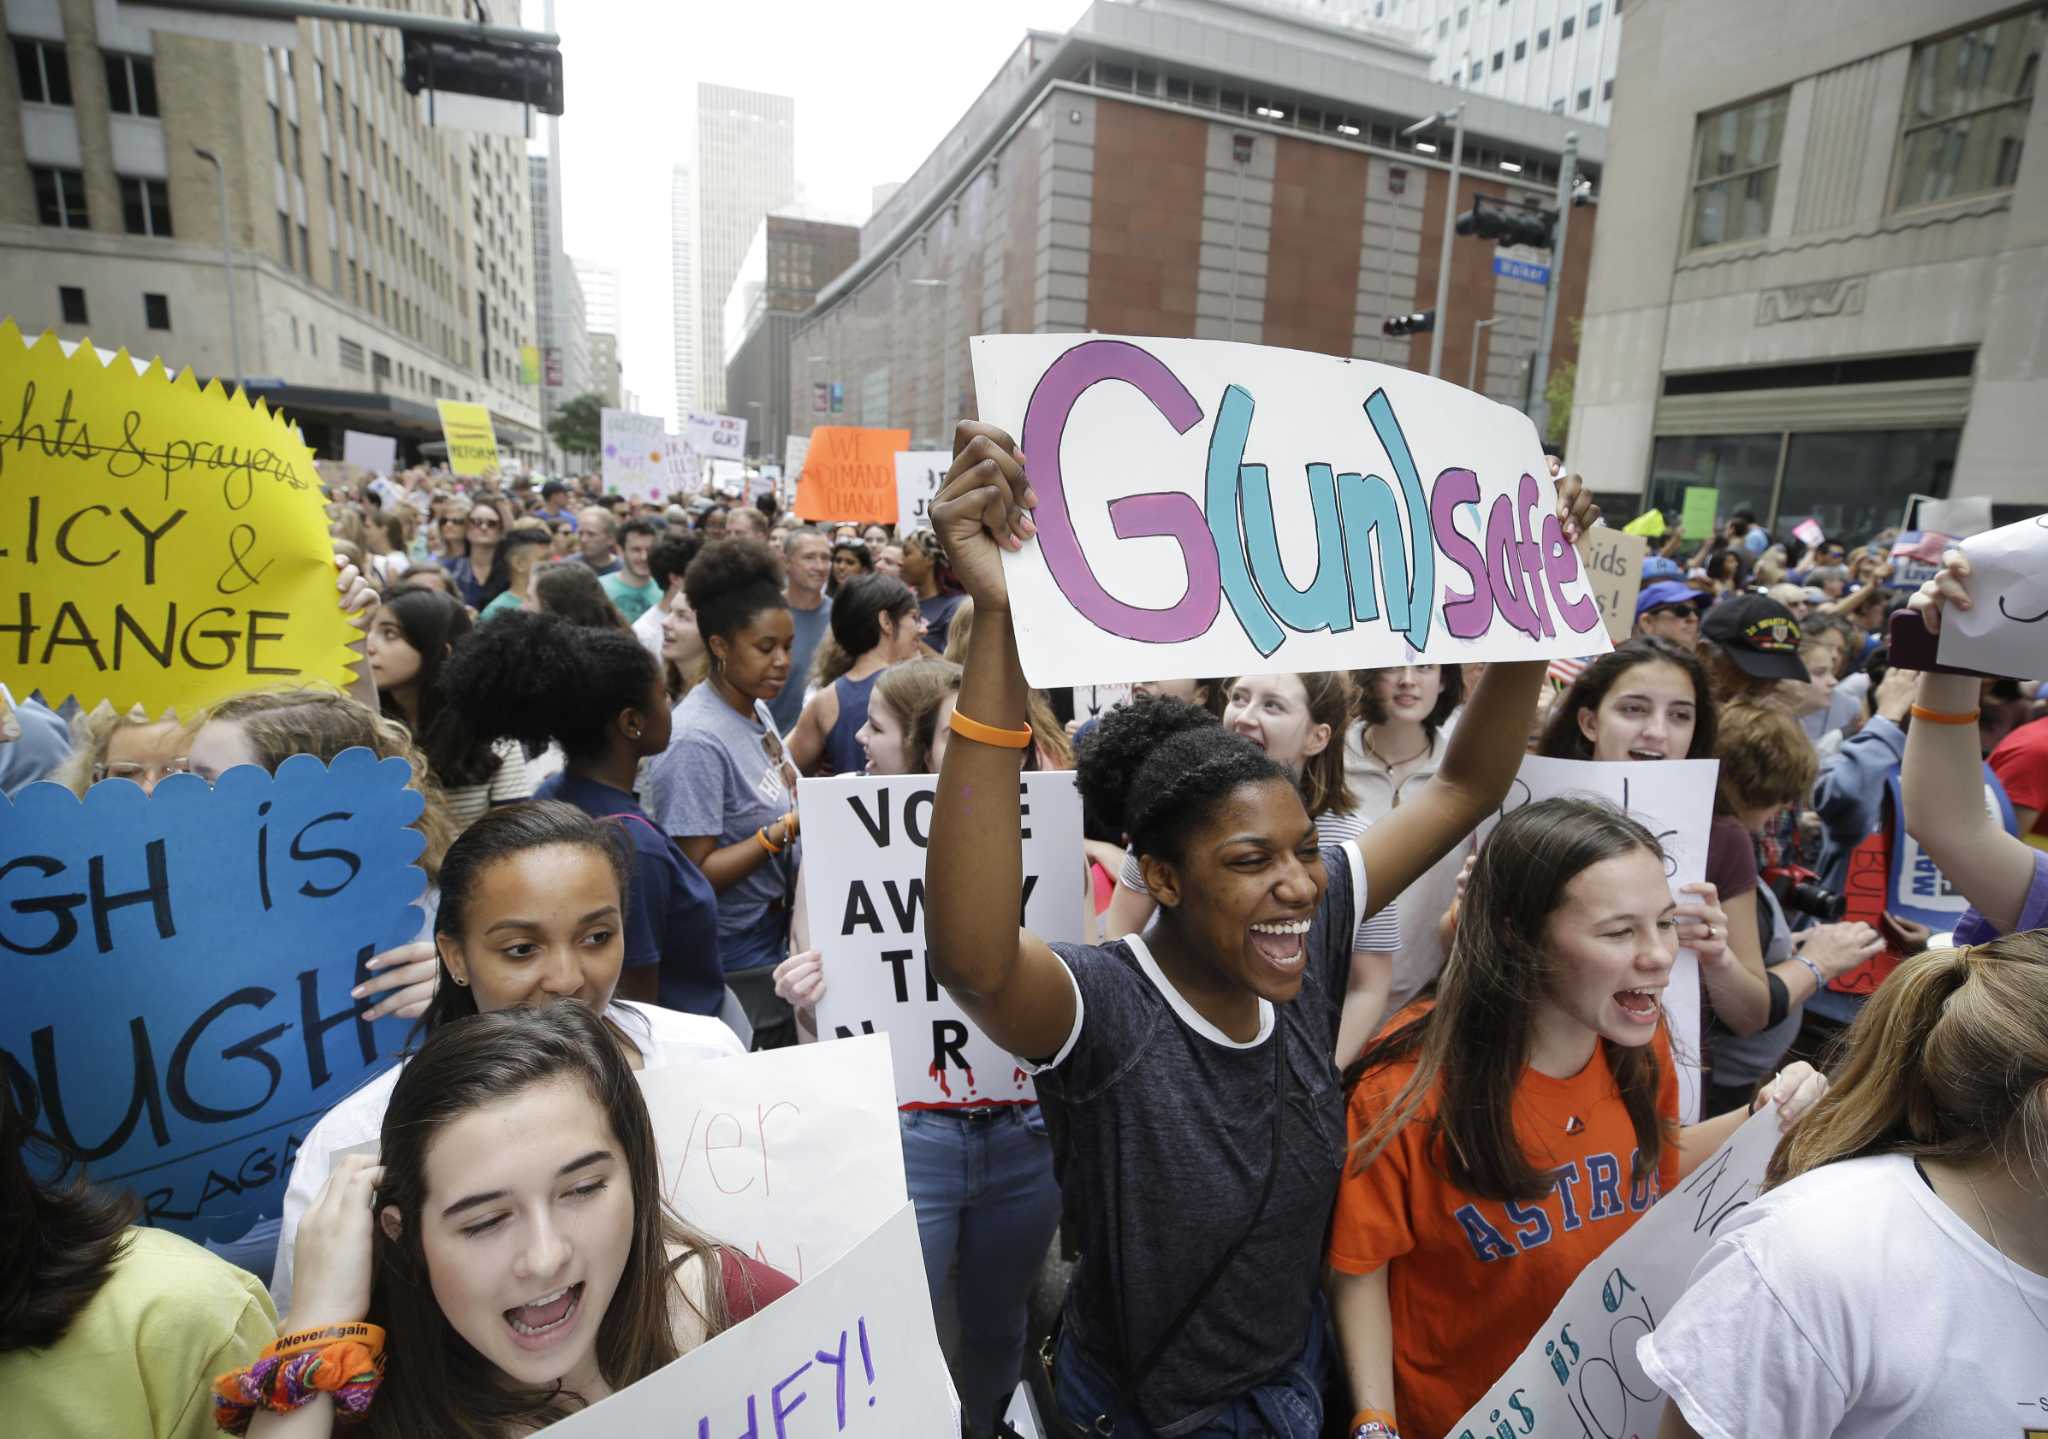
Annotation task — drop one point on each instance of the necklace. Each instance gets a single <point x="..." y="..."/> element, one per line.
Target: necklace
<point x="1393" y="765"/>
<point x="2011" y="1278"/>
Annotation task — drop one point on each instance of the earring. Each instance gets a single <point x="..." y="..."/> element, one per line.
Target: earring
<point x="461" y="980"/>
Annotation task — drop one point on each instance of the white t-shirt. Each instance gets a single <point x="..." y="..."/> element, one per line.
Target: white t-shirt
<point x="1852" y="1302"/>
<point x="647" y="629"/>
<point x="664" y="1037"/>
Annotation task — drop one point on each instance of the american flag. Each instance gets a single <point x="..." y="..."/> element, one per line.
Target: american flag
<point x="1563" y="673"/>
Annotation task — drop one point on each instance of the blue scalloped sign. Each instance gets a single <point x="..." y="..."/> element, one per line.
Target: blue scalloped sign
<point x="179" y="966"/>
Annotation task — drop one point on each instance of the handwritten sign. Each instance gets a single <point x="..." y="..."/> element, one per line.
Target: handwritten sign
<point x="721" y="437"/>
<point x="636" y="453"/>
<point x="179" y="966"/>
<point x="919" y="476"/>
<point x="1092" y="701"/>
<point x="1579" y="1376"/>
<point x="1702" y="503"/>
<point x="2006" y="630"/>
<point x="1916" y="558"/>
<point x="849" y="473"/>
<point x="1614" y="568"/>
<point x="793" y="1155"/>
<point x="472" y="443"/>
<point x="376" y="453"/>
<point x="1304" y="513"/>
<point x="685" y="467"/>
<point x="160" y="544"/>
<point x="1809" y="533"/>
<point x="794" y="448"/>
<point x="1674" y="800"/>
<point x="864" y="880"/>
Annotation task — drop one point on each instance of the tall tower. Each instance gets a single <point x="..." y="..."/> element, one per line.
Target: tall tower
<point x="683" y="278"/>
<point x="746" y="166"/>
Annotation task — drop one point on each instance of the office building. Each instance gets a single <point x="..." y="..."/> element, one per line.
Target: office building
<point x="1832" y="293"/>
<point x="600" y="285"/>
<point x="378" y="264"/>
<point x="746" y="166"/>
<point x="790" y="258"/>
<point x="558" y="297"/>
<point x="682" y="242"/>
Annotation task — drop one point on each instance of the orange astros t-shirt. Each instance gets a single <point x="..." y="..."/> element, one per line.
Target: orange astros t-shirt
<point x="1472" y="1279"/>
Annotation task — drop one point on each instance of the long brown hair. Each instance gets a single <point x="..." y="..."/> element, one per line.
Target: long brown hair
<point x="1471" y="1049"/>
<point x="435" y="1382"/>
<point x="1562" y="737"/>
<point x="60" y="1237"/>
<point x="1331" y="696"/>
<point x="1948" y="1060"/>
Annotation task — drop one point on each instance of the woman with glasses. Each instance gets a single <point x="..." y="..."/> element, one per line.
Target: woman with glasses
<point x="478" y="575"/>
<point x="449" y="536"/>
<point x="131" y="746"/>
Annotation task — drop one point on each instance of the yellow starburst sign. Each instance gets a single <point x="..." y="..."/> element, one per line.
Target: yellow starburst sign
<point x="161" y="544"/>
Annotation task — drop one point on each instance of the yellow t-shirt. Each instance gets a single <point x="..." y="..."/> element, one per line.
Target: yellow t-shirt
<point x="140" y="1359"/>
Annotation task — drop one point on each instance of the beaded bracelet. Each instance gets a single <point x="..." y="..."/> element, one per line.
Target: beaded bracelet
<point x="346" y="1370"/>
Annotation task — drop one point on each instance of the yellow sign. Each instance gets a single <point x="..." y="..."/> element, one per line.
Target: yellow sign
<point x="472" y="443"/>
<point x="529" y="364"/>
<point x="160" y="544"/>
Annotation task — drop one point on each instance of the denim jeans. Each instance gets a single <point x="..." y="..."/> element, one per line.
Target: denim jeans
<point x="1287" y="1406"/>
<point x="982" y="1183"/>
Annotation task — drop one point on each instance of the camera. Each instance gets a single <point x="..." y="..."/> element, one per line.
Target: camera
<point x="1800" y="889"/>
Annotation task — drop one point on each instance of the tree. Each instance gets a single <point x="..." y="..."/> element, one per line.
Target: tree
<point x="577" y="426"/>
<point x="1557" y="392"/>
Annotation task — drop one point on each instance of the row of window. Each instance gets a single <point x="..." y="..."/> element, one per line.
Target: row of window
<point x="60" y="201"/>
<point x="156" y="309"/>
<point x="1566" y="28"/>
<point x="1968" y="97"/>
<point x="43" y="70"/>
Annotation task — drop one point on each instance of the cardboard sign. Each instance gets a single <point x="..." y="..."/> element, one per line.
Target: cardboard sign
<point x="864" y="882"/>
<point x="179" y="967"/>
<point x="1304" y="513"/>
<point x="854" y="1351"/>
<point x="685" y="467"/>
<point x="636" y="454"/>
<point x="163" y="544"/>
<point x="472" y="443"/>
<point x="1092" y="701"/>
<point x="1674" y="800"/>
<point x="1702" y="503"/>
<point x="1579" y="1376"/>
<point x="719" y="437"/>
<point x="850" y="474"/>
<point x="919" y="475"/>
<point x="2006" y="631"/>
<point x="793" y="1155"/>
<point x="1614" y="568"/>
<point x="376" y="453"/>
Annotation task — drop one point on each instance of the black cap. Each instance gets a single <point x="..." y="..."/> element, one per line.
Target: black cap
<point x="553" y="487"/>
<point x="1758" y="634"/>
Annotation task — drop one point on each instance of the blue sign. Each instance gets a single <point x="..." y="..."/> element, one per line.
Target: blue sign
<point x="179" y="965"/>
<point x="1513" y="269"/>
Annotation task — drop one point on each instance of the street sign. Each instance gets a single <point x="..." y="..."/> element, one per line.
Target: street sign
<point x="1521" y="270"/>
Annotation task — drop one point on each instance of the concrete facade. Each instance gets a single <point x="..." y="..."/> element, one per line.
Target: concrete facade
<point x="1866" y="336"/>
<point x="1555" y="55"/>
<point x="682" y="243"/>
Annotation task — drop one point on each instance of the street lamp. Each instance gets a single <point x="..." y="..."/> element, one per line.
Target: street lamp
<point x="1456" y="116"/>
<point x="1472" y="370"/>
<point x="227" y="258"/>
<point x="945" y="351"/>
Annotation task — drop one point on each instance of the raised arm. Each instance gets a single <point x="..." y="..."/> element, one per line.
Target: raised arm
<point x="1007" y="979"/>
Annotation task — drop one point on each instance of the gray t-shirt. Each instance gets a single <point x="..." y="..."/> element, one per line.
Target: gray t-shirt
<point x="717" y="777"/>
<point x="811" y="625"/>
<point x="1162" y="1131"/>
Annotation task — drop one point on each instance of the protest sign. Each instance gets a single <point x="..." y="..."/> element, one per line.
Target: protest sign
<point x="793" y="1155"/>
<point x="1809" y="533"/>
<point x="179" y="970"/>
<point x="376" y="453"/>
<point x="635" y="453"/>
<point x="864" y="881"/>
<point x="684" y="467"/>
<point x="1702" y="503"/>
<point x="1649" y="524"/>
<point x="2005" y="632"/>
<point x="718" y="437"/>
<point x="1916" y="556"/>
<point x="852" y="1351"/>
<point x="1962" y="517"/>
<point x="1090" y="701"/>
<point x="1614" y="570"/>
<point x="919" y="473"/>
<point x="1404" y="517"/>
<point x="794" y="448"/>
<point x="1579" y="1376"/>
<point x="472" y="443"/>
<point x="849" y="473"/>
<point x="1674" y="800"/>
<point x="164" y="544"/>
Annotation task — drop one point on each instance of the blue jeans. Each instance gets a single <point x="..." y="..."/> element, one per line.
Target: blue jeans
<point x="1287" y="1406"/>
<point x="982" y="1183"/>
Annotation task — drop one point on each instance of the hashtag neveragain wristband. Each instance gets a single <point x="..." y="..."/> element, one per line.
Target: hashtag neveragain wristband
<point x="988" y="734"/>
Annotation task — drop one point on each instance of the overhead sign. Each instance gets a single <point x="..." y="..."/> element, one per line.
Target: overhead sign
<point x="160" y="544"/>
<point x="719" y="437"/>
<point x="919" y="474"/>
<point x="1509" y="268"/>
<point x="1208" y="508"/>
<point x="472" y="443"/>
<point x="849" y="473"/>
<point x="635" y="454"/>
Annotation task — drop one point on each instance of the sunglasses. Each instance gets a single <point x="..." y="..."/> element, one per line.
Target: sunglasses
<point x="484" y="523"/>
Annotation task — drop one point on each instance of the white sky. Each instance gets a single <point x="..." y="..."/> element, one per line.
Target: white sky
<point x="877" y="84"/>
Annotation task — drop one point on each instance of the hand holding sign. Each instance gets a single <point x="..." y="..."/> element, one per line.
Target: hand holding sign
<point x="982" y="509"/>
<point x="2007" y="633"/>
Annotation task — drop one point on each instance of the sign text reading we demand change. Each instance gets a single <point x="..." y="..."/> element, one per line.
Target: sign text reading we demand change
<point x="1212" y="508"/>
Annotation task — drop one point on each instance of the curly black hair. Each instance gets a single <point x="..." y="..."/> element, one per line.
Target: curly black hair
<point x="729" y="583"/>
<point x="536" y="677"/>
<point x="1152" y="769"/>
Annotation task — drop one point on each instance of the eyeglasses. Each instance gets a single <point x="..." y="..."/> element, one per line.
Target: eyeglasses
<point x="141" y="773"/>
<point x="483" y="522"/>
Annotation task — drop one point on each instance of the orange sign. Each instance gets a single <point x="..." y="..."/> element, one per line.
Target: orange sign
<point x="850" y="474"/>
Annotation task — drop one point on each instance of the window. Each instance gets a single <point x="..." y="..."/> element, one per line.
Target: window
<point x="1521" y="49"/>
<point x="1543" y="39"/>
<point x="298" y="152"/>
<point x="156" y="311"/>
<point x="131" y="84"/>
<point x="355" y="295"/>
<point x="277" y="132"/>
<point x="1566" y="26"/>
<point x="1464" y="16"/>
<point x="349" y="353"/>
<point x="284" y="237"/>
<point x="60" y="197"/>
<point x="44" y="72"/>
<point x="1735" y="170"/>
<point x="1557" y="107"/>
<point x="1607" y="90"/>
<point x="145" y="206"/>
<point x="1585" y="100"/>
<point x="313" y="339"/>
<point x="1592" y="16"/>
<point x="1967" y="101"/>
<point x="1478" y="68"/>
<point x="71" y="301"/>
<point x="334" y="268"/>
<point x="305" y="253"/>
<point x="1500" y="58"/>
<point x="1443" y="27"/>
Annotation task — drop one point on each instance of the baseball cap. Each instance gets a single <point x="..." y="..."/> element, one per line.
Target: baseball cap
<point x="1758" y="634"/>
<point x="553" y="487"/>
<point x="1667" y="592"/>
<point x="1662" y="567"/>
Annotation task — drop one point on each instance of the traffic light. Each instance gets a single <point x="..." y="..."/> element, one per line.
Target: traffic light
<point x="1494" y="221"/>
<point x="1419" y="323"/>
<point x="485" y="66"/>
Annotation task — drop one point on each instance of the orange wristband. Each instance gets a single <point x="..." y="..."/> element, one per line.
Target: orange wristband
<point x="368" y="1335"/>
<point x="768" y="844"/>
<point x="1372" y="1416"/>
<point x="1921" y="712"/>
<point x="988" y="734"/>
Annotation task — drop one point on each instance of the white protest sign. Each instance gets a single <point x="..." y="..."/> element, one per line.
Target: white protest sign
<point x="635" y="453"/>
<point x="1579" y="1375"/>
<point x="1964" y="516"/>
<point x="919" y="474"/>
<point x="851" y="1351"/>
<point x="376" y="453"/>
<point x="794" y="448"/>
<point x="2006" y="630"/>
<point x="1674" y="800"/>
<point x="1092" y="701"/>
<point x="719" y="437"/>
<point x="1230" y="509"/>
<point x="684" y="468"/>
<point x="864" y="884"/>
<point x="792" y="1155"/>
<point x="1020" y="1420"/>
